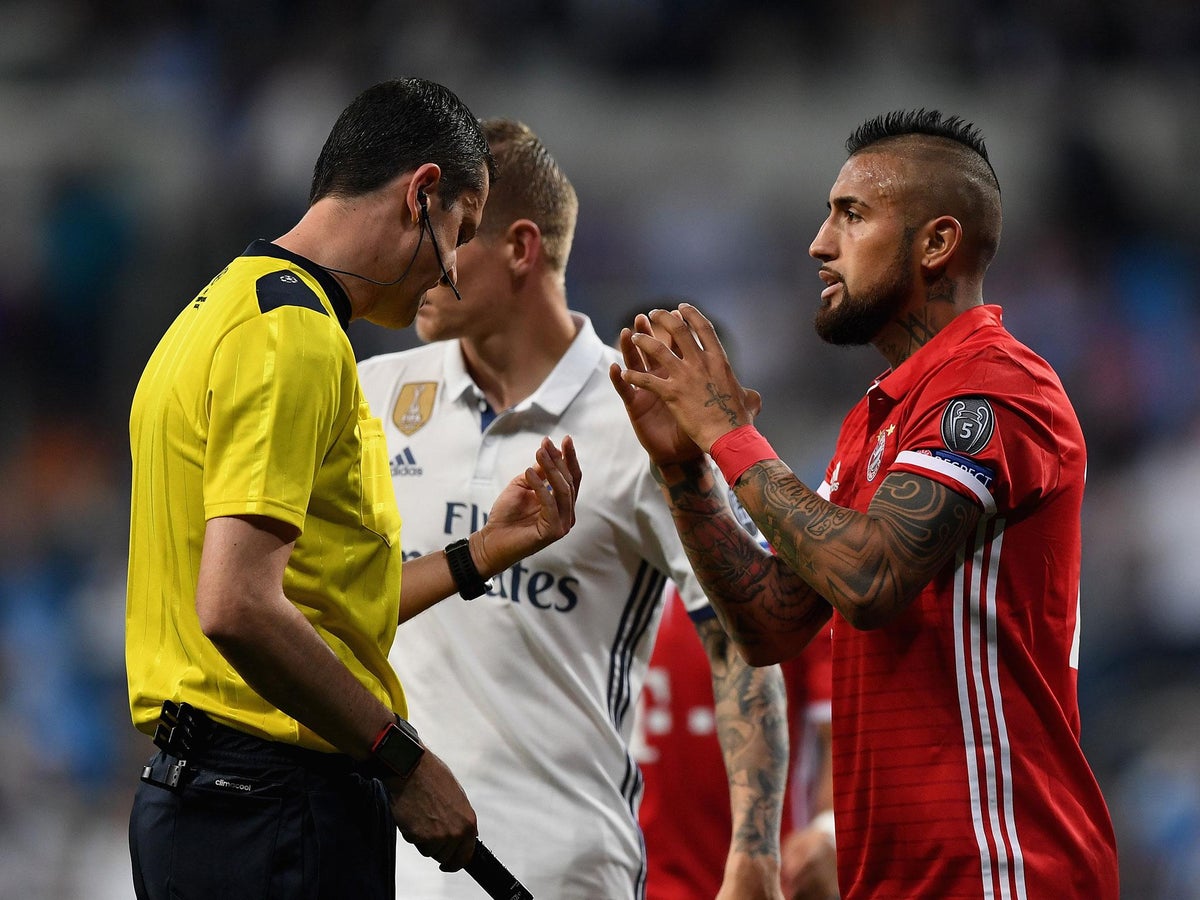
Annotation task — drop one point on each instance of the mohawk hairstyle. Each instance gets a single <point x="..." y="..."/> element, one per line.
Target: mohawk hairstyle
<point x="919" y="121"/>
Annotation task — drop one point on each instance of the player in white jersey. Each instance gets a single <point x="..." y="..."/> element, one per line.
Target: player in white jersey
<point x="529" y="690"/>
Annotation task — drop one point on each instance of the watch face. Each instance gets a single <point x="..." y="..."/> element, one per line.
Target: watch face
<point x="400" y="750"/>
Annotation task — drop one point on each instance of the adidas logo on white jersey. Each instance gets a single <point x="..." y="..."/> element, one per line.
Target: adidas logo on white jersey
<point x="404" y="463"/>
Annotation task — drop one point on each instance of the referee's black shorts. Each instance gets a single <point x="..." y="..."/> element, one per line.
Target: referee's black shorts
<point x="256" y="819"/>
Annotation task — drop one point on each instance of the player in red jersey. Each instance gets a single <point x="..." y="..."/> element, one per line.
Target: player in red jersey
<point x="944" y="542"/>
<point x="684" y="812"/>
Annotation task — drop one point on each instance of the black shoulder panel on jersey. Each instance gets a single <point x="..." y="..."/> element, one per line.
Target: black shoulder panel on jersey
<point x="283" y="288"/>
<point x="333" y="290"/>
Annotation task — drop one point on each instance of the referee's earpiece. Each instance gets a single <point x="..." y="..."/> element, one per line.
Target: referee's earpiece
<point x="423" y="221"/>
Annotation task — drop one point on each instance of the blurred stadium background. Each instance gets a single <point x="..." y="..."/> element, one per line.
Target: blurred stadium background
<point x="144" y="144"/>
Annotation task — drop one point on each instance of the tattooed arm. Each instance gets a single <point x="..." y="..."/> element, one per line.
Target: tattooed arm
<point x="808" y="856"/>
<point x="681" y="395"/>
<point x="751" y="712"/>
<point x="768" y="610"/>
<point x="870" y="565"/>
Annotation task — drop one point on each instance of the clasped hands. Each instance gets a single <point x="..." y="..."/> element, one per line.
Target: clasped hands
<point x="677" y="385"/>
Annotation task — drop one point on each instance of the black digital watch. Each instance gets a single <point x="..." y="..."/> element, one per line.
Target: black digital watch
<point x="396" y="751"/>
<point x="467" y="579"/>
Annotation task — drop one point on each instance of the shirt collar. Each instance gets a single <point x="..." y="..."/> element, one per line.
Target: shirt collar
<point x="561" y="386"/>
<point x="334" y="291"/>
<point x="895" y="383"/>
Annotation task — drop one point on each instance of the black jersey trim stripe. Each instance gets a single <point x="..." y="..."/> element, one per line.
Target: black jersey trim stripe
<point x="631" y="783"/>
<point x="647" y="590"/>
<point x="634" y="773"/>
<point x="613" y="670"/>
<point x="646" y="614"/>
<point x="632" y="786"/>
<point x="333" y="290"/>
<point x="647" y="585"/>
<point x="643" y="872"/>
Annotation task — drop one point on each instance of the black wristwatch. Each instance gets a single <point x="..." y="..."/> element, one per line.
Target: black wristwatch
<point x="396" y="751"/>
<point x="467" y="579"/>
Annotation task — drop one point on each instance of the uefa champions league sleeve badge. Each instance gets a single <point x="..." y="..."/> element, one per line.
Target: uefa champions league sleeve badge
<point x="967" y="425"/>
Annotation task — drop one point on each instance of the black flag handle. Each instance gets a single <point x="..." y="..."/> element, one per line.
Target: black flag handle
<point x="491" y="875"/>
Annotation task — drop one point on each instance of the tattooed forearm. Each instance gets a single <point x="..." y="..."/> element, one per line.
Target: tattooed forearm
<point x="767" y="608"/>
<point x="751" y="714"/>
<point x="678" y="474"/>
<point x="869" y="565"/>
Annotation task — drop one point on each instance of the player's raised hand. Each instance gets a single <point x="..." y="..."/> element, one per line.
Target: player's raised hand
<point x="653" y="422"/>
<point x="676" y="356"/>
<point x="533" y="511"/>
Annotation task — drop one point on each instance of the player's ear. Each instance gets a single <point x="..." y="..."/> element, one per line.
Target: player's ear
<point x="939" y="240"/>
<point x="525" y="245"/>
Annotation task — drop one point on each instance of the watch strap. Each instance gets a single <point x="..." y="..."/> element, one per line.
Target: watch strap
<point x="467" y="579"/>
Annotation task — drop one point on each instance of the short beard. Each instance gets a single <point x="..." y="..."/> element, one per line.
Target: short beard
<point x="858" y="320"/>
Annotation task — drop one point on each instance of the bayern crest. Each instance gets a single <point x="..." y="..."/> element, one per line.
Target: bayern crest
<point x="876" y="458"/>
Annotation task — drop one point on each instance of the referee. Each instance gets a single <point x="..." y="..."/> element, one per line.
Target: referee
<point x="265" y="564"/>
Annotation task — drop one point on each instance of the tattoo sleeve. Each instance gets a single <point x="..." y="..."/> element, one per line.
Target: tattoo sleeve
<point x="751" y="713"/>
<point x="869" y="566"/>
<point x="766" y="607"/>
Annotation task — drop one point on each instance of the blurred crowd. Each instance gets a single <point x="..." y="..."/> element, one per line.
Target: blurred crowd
<point x="145" y="144"/>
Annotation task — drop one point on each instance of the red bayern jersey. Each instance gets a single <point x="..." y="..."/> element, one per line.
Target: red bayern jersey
<point x="684" y="813"/>
<point x="957" y="766"/>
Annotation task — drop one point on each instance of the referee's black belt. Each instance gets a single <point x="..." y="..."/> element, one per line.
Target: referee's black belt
<point x="189" y="736"/>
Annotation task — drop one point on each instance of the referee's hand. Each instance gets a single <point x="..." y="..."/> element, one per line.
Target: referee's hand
<point x="433" y="813"/>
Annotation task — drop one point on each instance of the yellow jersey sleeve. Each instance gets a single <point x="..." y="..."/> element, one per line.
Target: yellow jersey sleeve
<point x="272" y="409"/>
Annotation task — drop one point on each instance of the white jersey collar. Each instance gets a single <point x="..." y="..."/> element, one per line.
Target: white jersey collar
<point x="564" y="382"/>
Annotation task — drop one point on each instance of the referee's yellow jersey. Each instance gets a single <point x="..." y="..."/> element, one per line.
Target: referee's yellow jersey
<point x="250" y="405"/>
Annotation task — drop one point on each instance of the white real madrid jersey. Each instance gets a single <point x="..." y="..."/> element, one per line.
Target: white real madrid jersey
<point x="528" y="692"/>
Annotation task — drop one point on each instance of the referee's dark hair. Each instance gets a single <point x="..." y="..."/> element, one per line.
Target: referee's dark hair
<point x="394" y="127"/>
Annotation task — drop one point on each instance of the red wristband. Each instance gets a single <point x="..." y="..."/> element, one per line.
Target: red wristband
<point x="382" y="734"/>
<point x="736" y="451"/>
